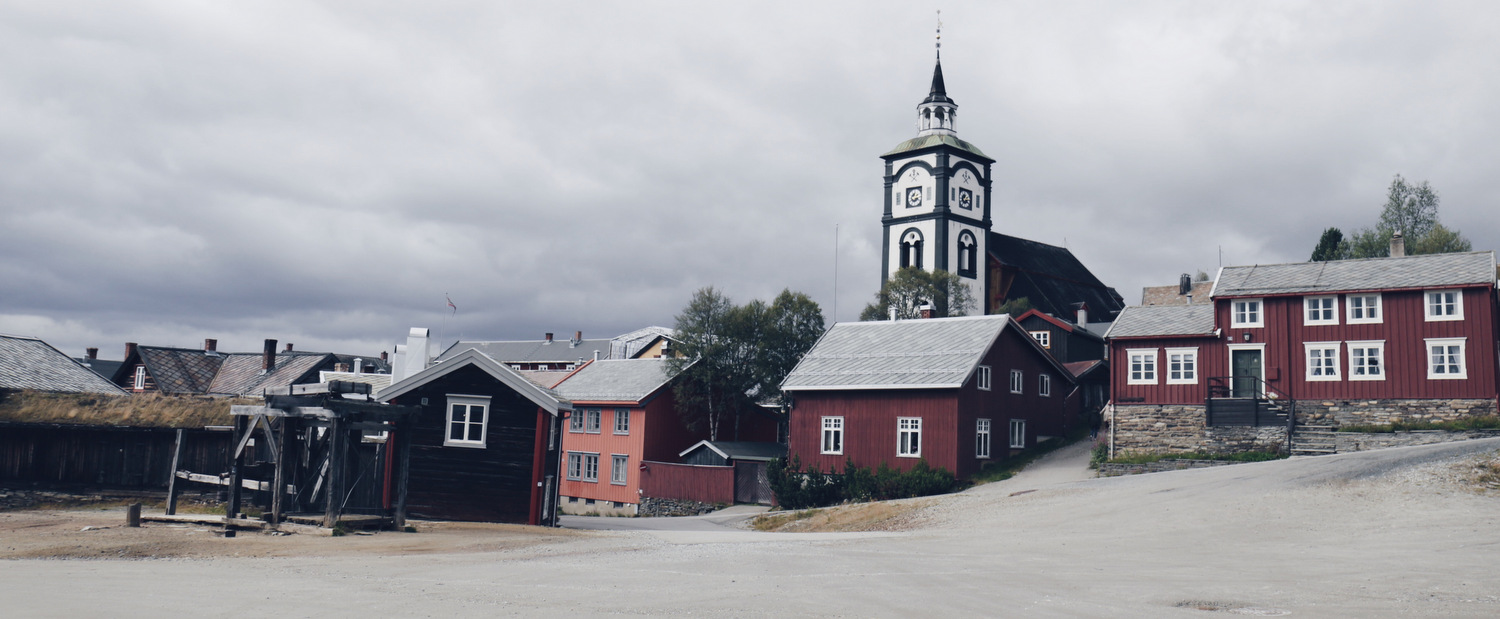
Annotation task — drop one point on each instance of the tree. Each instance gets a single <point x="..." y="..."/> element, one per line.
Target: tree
<point x="1015" y="307"/>
<point x="734" y="356"/>
<point x="1413" y="210"/>
<point x="912" y="287"/>
<point x="1440" y="240"/>
<point x="1202" y="276"/>
<point x="1330" y="246"/>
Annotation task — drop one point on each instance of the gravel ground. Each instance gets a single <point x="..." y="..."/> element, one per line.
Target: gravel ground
<point x="1372" y="534"/>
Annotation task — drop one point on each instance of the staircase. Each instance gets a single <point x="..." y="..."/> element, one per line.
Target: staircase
<point x="1311" y="440"/>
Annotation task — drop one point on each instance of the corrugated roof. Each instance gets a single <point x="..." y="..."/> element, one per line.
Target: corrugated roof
<point x="533" y="351"/>
<point x="30" y="363"/>
<point x="1164" y="320"/>
<point x="1426" y="271"/>
<point x="615" y="380"/>
<point x="906" y="354"/>
<point x="928" y="141"/>
<point x="180" y="370"/>
<point x="740" y="450"/>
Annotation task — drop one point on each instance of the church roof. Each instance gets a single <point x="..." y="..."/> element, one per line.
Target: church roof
<point x="928" y="141"/>
<point x="939" y="92"/>
<point x="1052" y="278"/>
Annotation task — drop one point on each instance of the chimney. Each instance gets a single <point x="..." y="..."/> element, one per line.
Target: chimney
<point x="1398" y="245"/>
<point x="1184" y="284"/>
<point x="596" y="355"/>
<point x="341" y="367"/>
<point x="210" y="345"/>
<point x="384" y="356"/>
<point x="549" y="339"/>
<point x="268" y="357"/>
<point x="91" y="353"/>
<point x="289" y="347"/>
<point x="129" y="350"/>
<point x="926" y="311"/>
<point x="1083" y="313"/>
<point x="359" y="365"/>
<point x="893" y="313"/>
<point x="418" y="356"/>
<point x="577" y="339"/>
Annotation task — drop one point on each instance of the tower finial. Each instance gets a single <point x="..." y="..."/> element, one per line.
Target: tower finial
<point x="940" y="35"/>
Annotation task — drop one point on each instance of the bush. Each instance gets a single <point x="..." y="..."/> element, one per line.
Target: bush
<point x="799" y="489"/>
<point x="1478" y="422"/>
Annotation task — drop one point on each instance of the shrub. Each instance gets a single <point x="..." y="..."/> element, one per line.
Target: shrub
<point x="1478" y="422"/>
<point x="798" y="489"/>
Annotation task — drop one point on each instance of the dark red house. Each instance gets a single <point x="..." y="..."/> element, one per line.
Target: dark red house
<point x="1323" y="343"/>
<point x="957" y="392"/>
<point x="485" y="446"/>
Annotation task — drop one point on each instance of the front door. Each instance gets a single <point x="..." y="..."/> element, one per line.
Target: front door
<point x="1245" y="369"/>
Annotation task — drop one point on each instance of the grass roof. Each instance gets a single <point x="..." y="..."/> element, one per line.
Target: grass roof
<point x="151" y="410"/>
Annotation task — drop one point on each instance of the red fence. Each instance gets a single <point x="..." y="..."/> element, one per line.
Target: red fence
<point x="690" y="482"/>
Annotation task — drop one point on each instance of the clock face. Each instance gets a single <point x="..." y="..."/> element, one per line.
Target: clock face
<point x="914" y="197"/>
<point x="965" y="198"/>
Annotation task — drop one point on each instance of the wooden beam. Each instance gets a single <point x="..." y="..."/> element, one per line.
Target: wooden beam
<point x="248" y="484"/>
<point x="233" y="508"/>
<point x="172" y="480"/>
<point x="279" y="480"/>
<point x="333" y="386"/>
<point x="265" y="426"/>
<point x="336" y="463"/>
<point x="403" y="464"/>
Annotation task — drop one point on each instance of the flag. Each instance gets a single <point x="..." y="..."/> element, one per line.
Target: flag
<point x="450" y="302"/>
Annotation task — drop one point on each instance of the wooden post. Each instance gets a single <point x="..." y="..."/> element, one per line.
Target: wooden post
<point x="278" y="481"/>
<point x="336" y="462"/>
<point x="403" y="466"/>
<point x="172" y="474"/>
<point x="133" y="515"/>
<point x="232" y="510"/>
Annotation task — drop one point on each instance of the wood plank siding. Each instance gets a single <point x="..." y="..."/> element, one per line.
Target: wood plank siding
<point x="103" y="456"/>
<point x="705" y="484"/>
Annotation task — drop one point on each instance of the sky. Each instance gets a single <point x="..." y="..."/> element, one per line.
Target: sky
<point x="328" y="174"/>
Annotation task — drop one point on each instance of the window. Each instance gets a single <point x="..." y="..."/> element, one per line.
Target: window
<point x="1366" y="360"/>
<point x="909" y="437"/>
<point x="1322" y="360"/>
<point x="1245" y="313"/>
<point x="575" y="420"/>
<point x="1044" y="385"/>
<point x="140" y="377"/>
<point x="982" y="438"/>
<point x="1018" y="434"/>
<point x="617" y="471"/>
<point x="1320" y="311"/>
<point x="1445" y="359"/>
<point x="1142" y="366"/>
<point x="575" y="466"/>
<point x="622" y="421"/>
<point x="1445" y="305"/>
<point x="1182" y="366"/>
<point x="1017" y="381"/>
<point x="591" y="467"/>
<point x="833" y="435"/>
<point x="1043" y="337"/>
<point x="967" y="252"/>
<point x="1362" y="308"/>
<point x="466" y="419"/>
<point x="983" y="378"/>
<point x="591" y="420"/>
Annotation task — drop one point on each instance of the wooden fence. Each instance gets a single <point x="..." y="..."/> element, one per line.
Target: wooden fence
<point x="105" y="456"/>
<point x="688" y="482"/>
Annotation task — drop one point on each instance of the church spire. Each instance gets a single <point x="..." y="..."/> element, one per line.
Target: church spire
<point x="937" y="113"/>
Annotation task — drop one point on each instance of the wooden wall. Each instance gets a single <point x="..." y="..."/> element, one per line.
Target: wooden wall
<point x="705" y="484"/>
<point x="105" y="456"/>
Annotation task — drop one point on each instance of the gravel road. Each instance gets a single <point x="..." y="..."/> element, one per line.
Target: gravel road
<point x="1372" y="534"/>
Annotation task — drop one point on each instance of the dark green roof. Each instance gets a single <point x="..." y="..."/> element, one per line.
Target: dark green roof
<point x="928" y="141"/>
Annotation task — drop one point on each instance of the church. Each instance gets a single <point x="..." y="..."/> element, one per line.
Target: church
<point x="939" y="215"/>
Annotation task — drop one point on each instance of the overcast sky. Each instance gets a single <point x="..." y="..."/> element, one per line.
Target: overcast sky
<point x="325" y="173"/>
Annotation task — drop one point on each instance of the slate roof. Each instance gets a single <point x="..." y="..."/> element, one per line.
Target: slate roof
<point x="180" y="370"/>
<point x="1052" y="278"/>
<point x="1426" y="271"/>
<point x="533" y="351"/>
<point x="929" y="141"/>
<point x="740" y="450"/>
<point x="240" y="373"/>
<point x="905" y="354"/>
<point x="627" y="345"/>
<point x="101" y="367"/>
<point x="615" y="380"/>
<point x="30" y="363"/>
<point x="1167" y="295"/>
<point x="544" y="378"/>
<point x="1164" y="320"/>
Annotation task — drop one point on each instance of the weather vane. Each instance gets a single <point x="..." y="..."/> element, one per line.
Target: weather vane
<point x="940" y="34"/>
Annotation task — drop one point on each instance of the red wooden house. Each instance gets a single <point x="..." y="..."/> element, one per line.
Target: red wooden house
<point x="957" y="392"/>
<point x="1323" y="343"/>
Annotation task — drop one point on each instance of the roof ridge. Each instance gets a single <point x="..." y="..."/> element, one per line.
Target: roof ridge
<point x="1371" y="259"/>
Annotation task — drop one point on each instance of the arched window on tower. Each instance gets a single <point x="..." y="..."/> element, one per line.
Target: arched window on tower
<point x="967" y="255"/>
<point x="911" y="249"/>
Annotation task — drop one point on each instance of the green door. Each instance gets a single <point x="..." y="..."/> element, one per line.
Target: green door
<point x="1245" y="367"/>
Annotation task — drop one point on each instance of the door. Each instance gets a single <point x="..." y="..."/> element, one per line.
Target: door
<point x="751" y="483"/>
<point x="1246" y="372"/>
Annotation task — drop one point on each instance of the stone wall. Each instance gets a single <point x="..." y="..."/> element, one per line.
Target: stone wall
<point x="1380" y="412"/>
<point x="1183" y="428"/>
<point x="1109" y="469"/>
<point x="1361" y="441"/>
<point x="673" y="507"/>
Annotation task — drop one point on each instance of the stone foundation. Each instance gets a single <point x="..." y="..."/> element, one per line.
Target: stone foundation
<point x="1360" y="441"/>
<point x="1108" y="469"/>
<point x="1339" y="413"/>
<point x="674" y="507"/>
<point x="574" y="506"/>
<point x="1183" y="428"/>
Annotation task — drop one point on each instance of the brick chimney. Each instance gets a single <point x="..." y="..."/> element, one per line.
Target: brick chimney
<point x="1398" y="245"/>
<point x="289" y="347"/>
<point x="577" y="339"/>
<point x="548" y="338"/>
<point x="91" y="353"/>
<point x="210" y="345"/>
<point x="384" y="356"/>
<point x="268" y="357"/>
<point x="129" y="350"/>
<point x="926" y="310"/>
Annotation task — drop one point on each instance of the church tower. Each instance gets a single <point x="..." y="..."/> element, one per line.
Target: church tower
<point x="937" y="197"/>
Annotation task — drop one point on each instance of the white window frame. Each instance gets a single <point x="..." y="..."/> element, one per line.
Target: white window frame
<point x="593" y="419"/>
<point x="1370" y="305"/>
<point x="622" y="421"/>
<point x="1043" y="337"/>
<point x="908" y="427"/>
<point x="982" y="438"/>
<point x="1239" y="318"/>
<point x="1018" y="434"/>
<point x="575" y="466"/>
<point x="1148" y="366"/>
<point x="1044" y="385"/>
<point x="140" y="377"/>
<point x="619" y="469"/>
<point x="982" y="378"/>
<point x="1456" y="312"/>
<point x="1326" y="311"/>
<point x="1446" y="342"/>
<point x="1187" y="371"/>
<point x="469" y="402"/>
<point x="590" y="474"/>
<point x="1355" y="367"/>
<point x="1329" y="353"/>
<point x="1017" y="381"/>
<point x="833" y="428"/>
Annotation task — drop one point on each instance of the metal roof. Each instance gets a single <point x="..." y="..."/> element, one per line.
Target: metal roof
<point x="740" y="450"/>
<point x="905" y="354"/>
<point x="928" y="141"/>
<point x="533" y="351"/>
<point x="1425" y="271"/>
<point x="616" y="380"/>
<point x="1164" y="320"/>
<point x="30" y="363"/>
<point x="541" y="396"/>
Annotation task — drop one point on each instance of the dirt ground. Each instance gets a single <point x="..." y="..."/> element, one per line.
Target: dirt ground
<point x="1403" y="532"/>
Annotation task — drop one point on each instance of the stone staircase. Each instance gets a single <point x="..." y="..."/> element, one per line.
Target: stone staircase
<point x="1311" y="440"/>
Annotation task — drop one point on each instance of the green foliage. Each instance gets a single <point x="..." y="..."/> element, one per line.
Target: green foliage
<point x="912" y="287"/>
<point x="1480" y="422"/>
<point x="733" y="356"/>
<point x="1202" y="277"/>
<point x="1015" y="307"/>
<point x="1099" y="455"/>
<point x="1243" y="456"/>
<point x="1330" y="246"/>
<point x="1411" y="209"/>
<point x="1439" y="240"/>
<point x="799" y="489"/>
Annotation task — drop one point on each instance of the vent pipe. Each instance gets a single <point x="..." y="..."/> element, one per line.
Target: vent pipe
<point x="1398" y="245"/>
